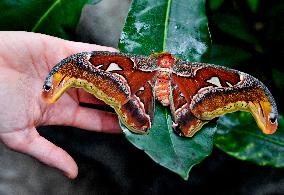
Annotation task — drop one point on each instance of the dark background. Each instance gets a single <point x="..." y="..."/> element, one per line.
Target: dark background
<point x="109" y="164"/>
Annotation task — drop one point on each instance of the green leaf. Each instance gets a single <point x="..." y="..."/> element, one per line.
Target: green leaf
<point x="235" y="26"/>
<point x="253" y="5"/>
<point x="215" y="4"/>
<point x="176" y="26"/>
<point x="278" y="78"/>
<point x="239" y="136"/>
<point x="179" y="27"/>
<point x="229" y="56"/>
<point x="176" y="153"/>
<point x="56" y="17"/>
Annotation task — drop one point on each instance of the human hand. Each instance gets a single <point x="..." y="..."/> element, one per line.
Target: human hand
<point x="25" y="60"/>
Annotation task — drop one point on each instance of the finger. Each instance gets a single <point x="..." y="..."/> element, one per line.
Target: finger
<point x="84" y="97"/>
<point x="98" y="120"/>
<point x="76" y="47"/>
<point x="82" y="117"/>
<point x="28" y="141"/>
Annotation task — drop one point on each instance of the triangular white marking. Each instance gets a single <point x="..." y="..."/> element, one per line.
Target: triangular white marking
<point x="229" y="84"/>
<point x="214" y="81"/>
<point x="112" y="67"/>
<point x="141" y="89"/>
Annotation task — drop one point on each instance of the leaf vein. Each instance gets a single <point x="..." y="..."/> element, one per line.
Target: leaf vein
<point x="166" y="24"/>
<point x="45" y="15"/>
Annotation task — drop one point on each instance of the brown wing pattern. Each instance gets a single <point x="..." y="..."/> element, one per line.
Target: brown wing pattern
<point x="212" y="91"/>
<point x="185" y="123"/>
<point x="112" y="77"/>
<point x="198" y="92"/>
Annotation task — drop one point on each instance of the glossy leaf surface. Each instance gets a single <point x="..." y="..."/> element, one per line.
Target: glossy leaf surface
<point x="239" y="136"/>
<point x="179" y="27"/>
<point x="176" y="153"/>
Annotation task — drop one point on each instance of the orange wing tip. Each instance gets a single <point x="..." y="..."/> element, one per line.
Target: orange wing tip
<point x="265" y="116"/>
<point x="47" y="97"/>
<point x="270" y="130"/>
<point x="271" y="126"/>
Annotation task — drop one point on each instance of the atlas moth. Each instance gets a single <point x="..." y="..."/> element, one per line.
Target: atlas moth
<point x="195" y="92"/>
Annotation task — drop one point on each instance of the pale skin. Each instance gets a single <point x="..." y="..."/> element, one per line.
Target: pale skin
<point x="25" y="60"/>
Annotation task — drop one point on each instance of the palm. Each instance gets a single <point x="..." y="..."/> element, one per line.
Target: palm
<point x="24" y="66"/>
